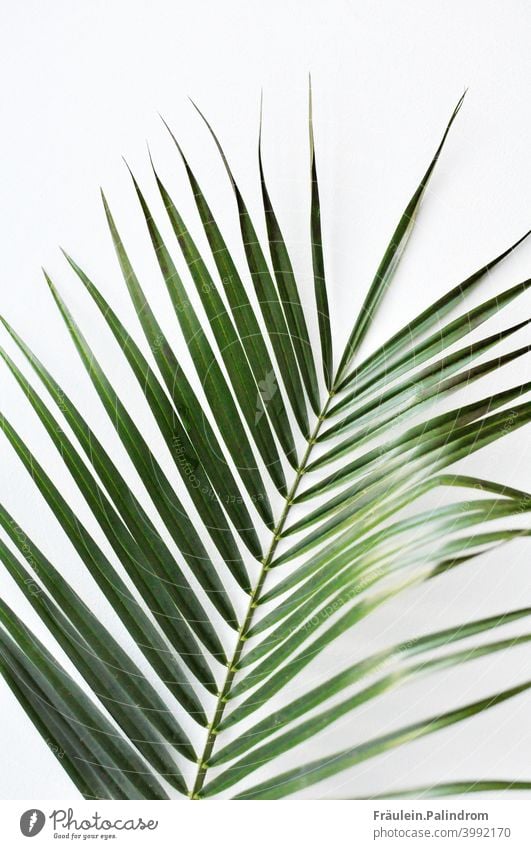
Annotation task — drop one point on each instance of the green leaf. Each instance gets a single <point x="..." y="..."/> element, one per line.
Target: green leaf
<point x="354" y="571"/>
<point x="426" y="456"/>
<point x="209" y="371"/>
<point x="391" y="258"/>
<point x="354" y="673"/>
<point x="338" y="568"/>
<point x="184" y="454"/>
<point x="245" y="388"/>
<point x="91" y="780"/>
<point x="72" y="616"/>
<point x="244" y="319"/>
<point x="115" y="590"/>
<point x="174" y="581"/>
<point x="425" y="387"/>
<point x="133" y="720"/>
<point x="321" y="296"/>
<point x="443" y="338"/>
<point x="317" y="723"/>
<point x="308" y="774"/>
<point x="360" y="538"/>
<point x="186" y="404"/>
<point x="429" y="436"/>
<point x="269" y="302"/>
<point x="289" y="295"/>
<point x="454" y="788"/>
<point x="276" y="678"/>
<point x="27" y="654"/>
<point x="150" y="545"/>
<point x="380" y="533"/>
<point x="430" y="316"/>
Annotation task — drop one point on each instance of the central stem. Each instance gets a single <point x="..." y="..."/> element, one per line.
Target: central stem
<point x="253" y="603"/>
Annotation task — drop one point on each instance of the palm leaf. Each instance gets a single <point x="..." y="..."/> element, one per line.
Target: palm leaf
<point x="455" y="788"/>
<point x="288" y="292"/>
<point x="270" y="303"/>
<point x="308" y="774"/>
<point x="183" y="560"/>
<point x="321" y="296"/>
<point x="245" y="320"/>
<point x="391" y="257"/>
<point x="185" y="402"/>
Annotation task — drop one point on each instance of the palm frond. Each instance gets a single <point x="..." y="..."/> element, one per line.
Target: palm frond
<point x="220" y="620"/>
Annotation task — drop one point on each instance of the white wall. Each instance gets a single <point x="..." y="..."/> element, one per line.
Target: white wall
<point x="82" y="84"/>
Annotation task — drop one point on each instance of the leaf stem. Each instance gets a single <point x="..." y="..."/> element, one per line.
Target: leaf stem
<point x="248" y="619"/>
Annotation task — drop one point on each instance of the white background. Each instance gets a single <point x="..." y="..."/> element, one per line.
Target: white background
<point x="82" y="84"/>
